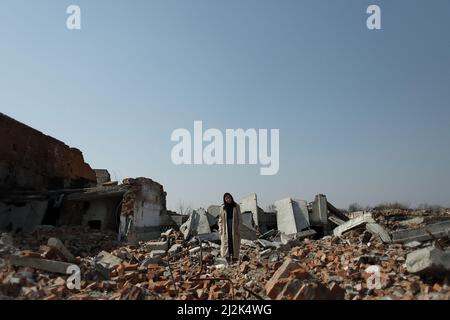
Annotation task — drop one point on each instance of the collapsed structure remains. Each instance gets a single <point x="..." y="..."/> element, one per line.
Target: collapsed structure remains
<point x="56" y="211"/>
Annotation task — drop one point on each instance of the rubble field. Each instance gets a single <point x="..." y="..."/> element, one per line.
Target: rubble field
<point x="409" y="248"/>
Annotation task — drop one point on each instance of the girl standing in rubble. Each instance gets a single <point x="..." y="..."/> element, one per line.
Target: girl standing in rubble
<point x="229" y="229"/>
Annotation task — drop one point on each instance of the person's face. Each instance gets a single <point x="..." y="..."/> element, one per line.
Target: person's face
<point x="228" y="199"/>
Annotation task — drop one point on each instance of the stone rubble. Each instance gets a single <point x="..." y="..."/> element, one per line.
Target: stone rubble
<point x="276" y="266"/>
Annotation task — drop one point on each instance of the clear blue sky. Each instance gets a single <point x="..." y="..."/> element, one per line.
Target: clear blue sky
<point x="363" y="115"/>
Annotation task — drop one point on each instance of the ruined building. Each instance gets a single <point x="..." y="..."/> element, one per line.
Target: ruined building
<point x="45" y="182"/>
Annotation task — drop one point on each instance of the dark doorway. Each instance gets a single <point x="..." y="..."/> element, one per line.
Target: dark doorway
<point x="52" y="214"/>
<point x="95" y="224"/>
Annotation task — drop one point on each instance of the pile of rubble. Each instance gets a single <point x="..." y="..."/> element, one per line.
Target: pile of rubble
<point x="390" y="254"/>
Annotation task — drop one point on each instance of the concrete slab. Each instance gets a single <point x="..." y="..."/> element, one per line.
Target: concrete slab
<point x="250" y="204"/>
<point x="248" y="230"/>
<point x="428" y="232"/>
<point x="292" y="215"/>
<point x="59" y="247"/>
<point x="319" y="215"/>
<point x="160" y="245"/>
<point x="175" y="248"/>
<point x="295" y="239"/>
<point x="213" y="237"/>
<point x="268" y="244"/>
<point x="379" y="231"/>
<point x="196" y="224"/>
<point x="353" y="223"/>
<point x="106" y="262"/>
<point x="412" y="222"/>
<point x="430" y="260"/>
<point x="41" y="264"/>
<point x="157" y="253"/>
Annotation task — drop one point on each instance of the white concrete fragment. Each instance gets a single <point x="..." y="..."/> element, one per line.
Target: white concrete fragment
<point x="353" y="223"/>
<point x="196" y="224"/>
<point x="153" y="245"/>
<point x="430" y="260"/>
<point x="292" y="215"/>
<point x="411" y="222"/>
<point x="175" y="248"/>
<point x="250" y="204"/>
<point x="157" y="253"/>
<point x="379" y="231"/>
<point x="413" y="244"/>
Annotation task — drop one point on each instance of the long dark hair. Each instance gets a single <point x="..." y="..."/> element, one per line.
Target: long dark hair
<point x="232" y="204"/>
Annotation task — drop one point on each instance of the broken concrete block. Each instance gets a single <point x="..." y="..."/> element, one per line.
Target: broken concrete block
<point x="268" y="244"/>
<point x="429" y="261"/>
<point x="175" y="248"/>
<point x="269" y="234"/>
<point x="319" y="215"/>
<point x="157" y="253"/>
<point x="202" y="225"/>
<point x="106" y="262"/>
<point x="305" y="234"/>
<point x="160" y="245"/>
<point x="250" y="204"/>
<point x="249" y="243"/>
<point x="379" y="231"/>
<point x="214" y="245"/>
<point x="213" y="213"/>
<point x="248" y="230"/>
<point x="428" y="232"/>
<point x="213" y="237"/>
<point x="294" y="239"/>
<point x="60" y="249"/>
<point x="41" y="264"/>
<point x="353" y="223"/>
<point x="196" y="224"/>
<point x="356" y="214"/>
<point x="411" y="222"/>
<point x="197" y="249"/>
<point x="413" y="244"/>
<point x="335" y="212"/>
<point x="336" y="220"/>
<point x="286" y="238"/>
<point x="292" y="215"/>
<point x="265" y="253"/>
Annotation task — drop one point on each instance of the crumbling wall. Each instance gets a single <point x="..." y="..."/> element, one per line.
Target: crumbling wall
<point x="101" y="214"/>
<point x="250" y="204"/>
<point x="142" y="209"/>
<point x="31" y="160"/>
<point x="21" y="216"/>
<point x="103" y="176"/>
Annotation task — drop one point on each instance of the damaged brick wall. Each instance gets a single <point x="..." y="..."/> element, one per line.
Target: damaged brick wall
<point x="143" y="209"/>
<point x="32" y="160"/>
